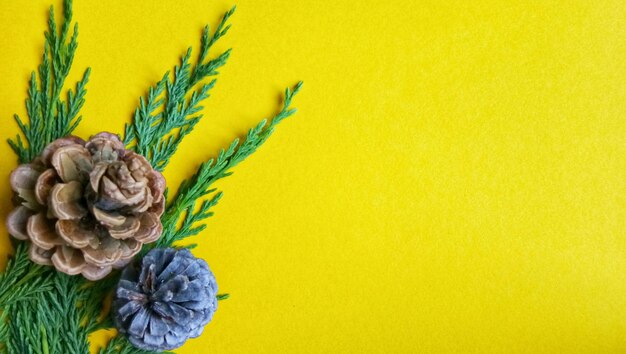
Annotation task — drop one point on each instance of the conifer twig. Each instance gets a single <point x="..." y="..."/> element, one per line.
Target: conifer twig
<point x="171" y="109"/>
<point x="50" y="116"/>
<point x="199" y="185"/>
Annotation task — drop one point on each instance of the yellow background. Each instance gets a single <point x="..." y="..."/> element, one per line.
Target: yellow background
<point x="454" y="181"/>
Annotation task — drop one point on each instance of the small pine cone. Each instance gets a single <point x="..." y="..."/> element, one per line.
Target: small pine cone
<point x="88" y="206"/>
<point x="165" y="300"/>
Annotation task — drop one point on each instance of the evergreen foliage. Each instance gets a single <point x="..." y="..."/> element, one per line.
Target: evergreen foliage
<point x="47" y="312"/>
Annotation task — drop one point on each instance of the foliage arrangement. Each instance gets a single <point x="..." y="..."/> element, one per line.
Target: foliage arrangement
<point x="45" y="311"/>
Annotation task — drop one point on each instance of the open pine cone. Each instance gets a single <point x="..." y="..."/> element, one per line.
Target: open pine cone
<point x="88" y="206"/>
<point x="165" y="299"/>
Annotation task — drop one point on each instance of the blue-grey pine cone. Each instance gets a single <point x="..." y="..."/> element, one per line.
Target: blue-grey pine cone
<point x="165" y="299"/>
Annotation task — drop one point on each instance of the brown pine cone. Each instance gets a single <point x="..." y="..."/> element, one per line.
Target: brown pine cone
<point x="87" y="207"/>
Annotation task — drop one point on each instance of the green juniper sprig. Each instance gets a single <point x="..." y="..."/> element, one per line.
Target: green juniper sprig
<point x="22" y="279"/>
<point x="167" y="115"/>
<point x="49" y="116"/>
<point x="57" y="321"/>
<point x="44" y="311"/>
<point x="199" y="185"/>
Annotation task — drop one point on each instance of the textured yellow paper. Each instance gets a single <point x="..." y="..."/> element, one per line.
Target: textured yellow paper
<point x="455" y="180"/>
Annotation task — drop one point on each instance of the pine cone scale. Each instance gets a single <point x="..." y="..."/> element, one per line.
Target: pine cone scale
<point x="71" y="161"/>
<point x="127" y="230"/>
<point x="49" y="150"/>
<point x="92" y="272"/>
<point x="17" y="222"/>
<point x="64" y="201"/>
<point x="40" y="255"/>
<point x="23" y="181"/>
<point x="108" y="219"/>
<point x="69" y="259"/>
<point x="44" y="184"/>
<point x="41" y="232"/>
<point x="129" y="248"/>
<point x="75" y="235"/>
